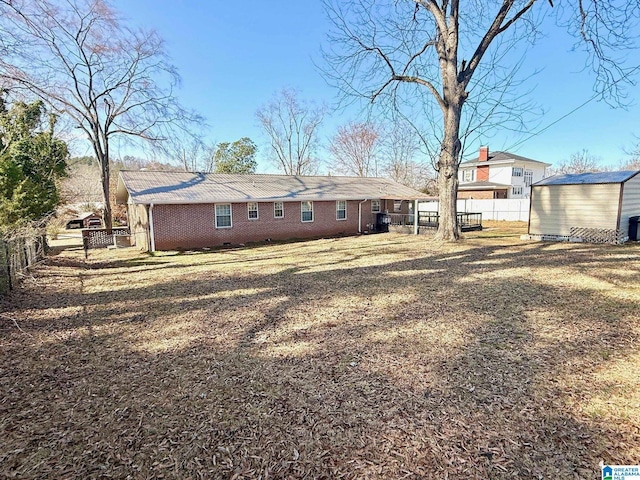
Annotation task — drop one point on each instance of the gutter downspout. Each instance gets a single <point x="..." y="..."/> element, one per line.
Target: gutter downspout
<point x="360" y="215"/>
<point x="151" y="233"/>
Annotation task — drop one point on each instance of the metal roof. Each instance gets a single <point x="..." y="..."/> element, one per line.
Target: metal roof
<point x="147" y="187"/>
<point x="501" y="157"/>
<point x="588" y="178"/>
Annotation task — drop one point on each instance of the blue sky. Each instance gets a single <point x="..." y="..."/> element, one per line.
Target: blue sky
<point x="233" y="56"/>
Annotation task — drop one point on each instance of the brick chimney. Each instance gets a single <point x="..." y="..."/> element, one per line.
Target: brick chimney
<point x="484" y="154"/>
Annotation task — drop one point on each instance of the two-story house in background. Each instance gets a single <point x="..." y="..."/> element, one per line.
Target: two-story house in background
<point x="499" y="175"/>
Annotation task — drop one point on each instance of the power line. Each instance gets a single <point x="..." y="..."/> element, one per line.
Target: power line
<point x="593" y="97"/>
<point x="535" y="134"/>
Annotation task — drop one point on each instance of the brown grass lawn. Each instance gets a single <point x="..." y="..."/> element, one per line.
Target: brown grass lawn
<point x="382" y="356"/>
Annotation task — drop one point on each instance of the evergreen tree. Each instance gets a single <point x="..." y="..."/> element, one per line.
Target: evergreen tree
<point x="31" y="162"/>
<point x="236" y="157"/>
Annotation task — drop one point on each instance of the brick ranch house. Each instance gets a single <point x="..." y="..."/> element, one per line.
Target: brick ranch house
<point x="181" y="210"/>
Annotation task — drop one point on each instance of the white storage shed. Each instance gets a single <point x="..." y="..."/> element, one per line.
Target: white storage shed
<point x="592" y="207"/>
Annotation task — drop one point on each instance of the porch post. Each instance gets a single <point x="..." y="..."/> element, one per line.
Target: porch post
<point x="415" y="217"/>
<point x="151" y="230"/>
<point x="360" y="215"/>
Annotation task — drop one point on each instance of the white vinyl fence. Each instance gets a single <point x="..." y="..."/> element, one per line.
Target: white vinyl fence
<point x="512" y="210"/>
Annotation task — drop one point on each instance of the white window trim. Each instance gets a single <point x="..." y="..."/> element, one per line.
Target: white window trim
<point x="399" y="209"/>
<point x="302" y="211"/>
<point x="528" y="178"/>
<point x="470" y="173"/>
<point x="257" y="211"/>
<point x="274" y="210"/>
<point x="520" y="169"/>
<point x="379" y="206"/>
<point x="215" y="208"/>
<point x="513" y="190"/>
<point x="338" y="210"/>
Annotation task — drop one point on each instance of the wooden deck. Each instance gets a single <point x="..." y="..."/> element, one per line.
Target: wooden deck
<point x="467" y="221"/>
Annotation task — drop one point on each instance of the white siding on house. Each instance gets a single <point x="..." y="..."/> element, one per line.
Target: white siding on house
<point x="500" y="174"/>
<point x="138" y="220"/>
<point x="630" y="202"/>
<point x="471" y="175"/>
<point x="538" y="173"/>
<point x="557" y="208"/>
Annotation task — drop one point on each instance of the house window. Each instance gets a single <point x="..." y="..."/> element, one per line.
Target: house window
<point x="307" y="211"/>
<point x="516" y="171"/>
<point x="375" y="206"/>
<point x="278" y="210"/>
<point x="467" y="175"/>
<point x="397" y="205"/>
<point x="528" y="178"/>
<point x="223" y="216"/>
<point x="516" y="191"/>
<point x="341" y="210"/>
<point x="252" y="210"/>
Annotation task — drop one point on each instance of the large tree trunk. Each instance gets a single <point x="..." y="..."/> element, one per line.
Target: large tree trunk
<point x="102" y="155"/>
<point x="107" y="216"/>
<point x="448" y="188"/>
<point x="454" y="97"/>
<point x="448" y="179"/>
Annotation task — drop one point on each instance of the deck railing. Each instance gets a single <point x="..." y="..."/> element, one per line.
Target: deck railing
<point x="102" y="237"/>
<point x="401" y="219"/>
<point x="466" y="221"/>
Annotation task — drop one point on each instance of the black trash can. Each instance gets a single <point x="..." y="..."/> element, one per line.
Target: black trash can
<point x="633" y="228"/>
<point x="382" y="222"/>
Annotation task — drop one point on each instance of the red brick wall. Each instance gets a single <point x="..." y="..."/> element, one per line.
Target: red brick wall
<point x="482" y="173"/>
<point x="193" y="226"/>
<point x="477" y="194"/>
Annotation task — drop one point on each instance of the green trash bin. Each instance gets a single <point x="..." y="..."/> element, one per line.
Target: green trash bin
<point x="633" y="228"/>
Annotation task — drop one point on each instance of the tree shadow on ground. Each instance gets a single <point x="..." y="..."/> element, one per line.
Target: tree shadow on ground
<point x="445" y="363"/>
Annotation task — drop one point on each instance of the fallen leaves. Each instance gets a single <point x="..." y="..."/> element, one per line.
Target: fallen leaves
<point x="367" y="357"/>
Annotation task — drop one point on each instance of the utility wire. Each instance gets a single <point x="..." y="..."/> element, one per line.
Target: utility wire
<point x="593" y="97"/>
<point x="542" y="130"/>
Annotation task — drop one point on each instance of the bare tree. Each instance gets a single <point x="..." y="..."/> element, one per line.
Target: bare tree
<point x="437" y="56"/>
<point x="631" y="164"/>
<point x="411" y="173"/>
<point x="292" y="126"/>
<point x="82" y="184"/>
<point x="355" y="148"/>
<point x="401" y="150"/>
<point x="633" y="158"/>
<point x="188" y="149"/>
<point x="581" y="162"/>
<point x="82" y="59"/>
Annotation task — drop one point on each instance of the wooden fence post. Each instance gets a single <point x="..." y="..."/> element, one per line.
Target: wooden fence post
<point x="6" y="253"/>
<point x="85" y="245"/>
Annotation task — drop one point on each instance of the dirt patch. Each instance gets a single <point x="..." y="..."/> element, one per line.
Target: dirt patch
<point x="382" y="356"/>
